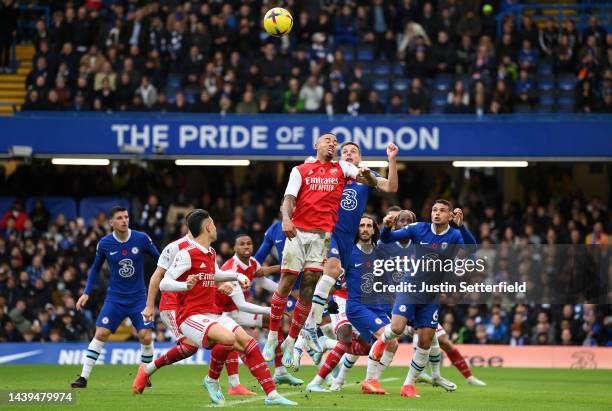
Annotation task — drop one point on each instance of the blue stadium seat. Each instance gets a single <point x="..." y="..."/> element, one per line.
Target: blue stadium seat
<point x="383" y="96"/>
<point x="365" y="53"/>
<point x="545" y="69"/>
<point x="380" y="85"/>
<point x="437" y="109"/>
<point x="55" y="205"/>
<point x="567" y="82"/>
<point x="5" y="204"/>
<point x="174" y="81"/>
<point x="546" y="85"/>
<point x="190" y="97"/>
<point x="522" y="108"/>
<point x="90" y="207"/>
<point x="348" y="52"/>
<point x="567" y="100"/>
<point x="381" y="69"/>
<point x="439" y="100"/>
<point x="442" y="82"/>
<point x="547" y="99"/>
<point x="400" y="85"/>
<point x="367" y="68"/>
<point x="398" y="70"/>
<point x="544" y="108"/>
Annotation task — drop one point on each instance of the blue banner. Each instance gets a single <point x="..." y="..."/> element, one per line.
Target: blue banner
<point x="292" y="136"/>
<point x="74" y="353"/>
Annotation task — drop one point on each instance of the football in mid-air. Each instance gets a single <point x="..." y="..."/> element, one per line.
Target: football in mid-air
<point x="278" y="22"/>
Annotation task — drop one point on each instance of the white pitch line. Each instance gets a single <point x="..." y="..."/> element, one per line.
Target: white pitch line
<point x="291" y="394"/>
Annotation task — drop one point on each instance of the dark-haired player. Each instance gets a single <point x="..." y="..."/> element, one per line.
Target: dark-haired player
<point x="246" y="314"/>
<point x="310" y="211"/>
<point x="126" y="296"/>
<point x="433" y="241"/>
<point x="194" y="274"/>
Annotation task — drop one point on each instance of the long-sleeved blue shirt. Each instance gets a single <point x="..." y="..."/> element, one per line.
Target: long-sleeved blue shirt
<point x="126" y="265"/>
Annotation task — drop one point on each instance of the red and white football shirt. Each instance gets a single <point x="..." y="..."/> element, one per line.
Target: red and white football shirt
<point x="169" y="300"/>
<point x="200" y="261"/>
<point x="318" y="188"/>
<point x="225" y="302"/>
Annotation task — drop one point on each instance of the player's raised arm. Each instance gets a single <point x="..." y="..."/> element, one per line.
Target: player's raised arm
<point x="237" y="297"/>
<point x="468" y="238"/>
<point x="388" y="236"/>
<point x="227" y="275"/>
<point x="266" y="284"/>
<point x="180" y="265"/>
<point x="264" y="271"/>
<point x="92" y="277"/>
<point x="390" y="184"/>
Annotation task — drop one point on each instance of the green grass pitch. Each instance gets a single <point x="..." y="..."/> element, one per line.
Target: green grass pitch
<point x="179" y="387"/>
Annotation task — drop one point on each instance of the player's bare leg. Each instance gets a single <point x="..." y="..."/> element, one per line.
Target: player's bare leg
<point x="252" y="358"/>
<point x="331" y="272"/>
<point x="302" y="309"/>
<point x="277" y="308"/>
<point x="458" y="361"/>
<point x="93" y="352"/>
<point x="376" y="366"/>
<point x="343" y="344"/>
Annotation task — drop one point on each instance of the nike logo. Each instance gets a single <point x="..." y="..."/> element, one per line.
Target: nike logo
<point x="113" y="252"/>
<point x="358" y="265"/>
<point x="14" y="357"/>
<point x="148" y="322"/>
<point x="278" y="241"/>
<point x="423" y="242"/>
<point x="202" y="265"/>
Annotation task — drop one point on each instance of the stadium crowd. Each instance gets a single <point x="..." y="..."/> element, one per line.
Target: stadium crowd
<point x="213" y="57"/>
<point x="44" y="262"/>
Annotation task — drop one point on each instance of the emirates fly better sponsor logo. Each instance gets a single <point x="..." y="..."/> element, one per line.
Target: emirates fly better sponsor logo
<point x="322" y="183"/>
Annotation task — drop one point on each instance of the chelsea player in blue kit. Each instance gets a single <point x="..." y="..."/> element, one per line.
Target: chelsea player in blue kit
<point x="352" y="206"/>
<point x="436" y="240"/>
<point x="126" y="296"/>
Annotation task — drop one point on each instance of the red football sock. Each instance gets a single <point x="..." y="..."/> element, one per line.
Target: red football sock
<point x="218" y="356"/>
<point x="175" y="354"/>
<point x="359" y="348"/>
<point x="231" y="363"/>
<point x="278" y="354"/>
<point x="333" y="358"/>
<point x="253" y="359"/>
<point x="277" y="308"/>
<point x="460" y="363"/>
<point x="299" y="318"/>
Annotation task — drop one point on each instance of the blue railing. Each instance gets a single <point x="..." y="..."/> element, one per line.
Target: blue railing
<point x="582" y="13"/>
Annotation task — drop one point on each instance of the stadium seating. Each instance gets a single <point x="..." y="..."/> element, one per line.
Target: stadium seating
<point x="90" y="207"/>
<point x="56" y="206"/>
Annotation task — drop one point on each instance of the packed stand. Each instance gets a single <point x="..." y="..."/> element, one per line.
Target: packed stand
<point x="342" y="57"/>
<point x="44" y="261"/>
